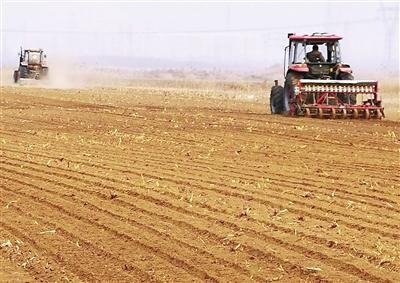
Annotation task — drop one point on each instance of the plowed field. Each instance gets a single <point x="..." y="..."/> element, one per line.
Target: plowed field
<point x="131" y="185"/>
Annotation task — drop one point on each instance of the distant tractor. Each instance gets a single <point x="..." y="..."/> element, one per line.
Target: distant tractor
<point x="318" y="84"/>
<point x="32" y="65"/>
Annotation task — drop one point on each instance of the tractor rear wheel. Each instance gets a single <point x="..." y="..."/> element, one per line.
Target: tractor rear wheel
<point x="23" y="72"/>
<point x="16" y="76"/>
<point x="276" y="100"/>
<point x="289" y="98"/>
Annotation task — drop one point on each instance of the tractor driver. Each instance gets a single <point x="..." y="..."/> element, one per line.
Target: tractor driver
<point x="315" y="56"/>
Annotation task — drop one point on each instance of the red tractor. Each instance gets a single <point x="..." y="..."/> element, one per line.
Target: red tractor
<point x="32" y="65"/>
<point x="318" y="84"/>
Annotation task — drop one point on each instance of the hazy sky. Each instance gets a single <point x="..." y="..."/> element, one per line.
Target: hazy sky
<point x="230" y="35"/>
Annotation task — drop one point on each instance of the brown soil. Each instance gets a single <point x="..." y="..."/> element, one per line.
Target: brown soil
<point x="131" y="185"/>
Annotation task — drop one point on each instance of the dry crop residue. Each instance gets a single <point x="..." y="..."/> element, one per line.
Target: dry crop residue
<point x="132" y="187"/>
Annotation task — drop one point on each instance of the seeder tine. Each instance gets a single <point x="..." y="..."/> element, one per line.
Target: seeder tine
<point x="307" y="113"/>
<point x="333" y="113"/>
<point x="344" y="113"/>
<point x="367" y="114"/>
<point x="320" y="113"/>
<point x="379" y="114"/>
<point x="355" y="113"/>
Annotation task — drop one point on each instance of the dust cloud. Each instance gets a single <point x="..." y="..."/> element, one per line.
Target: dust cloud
<point x="64" y="74"/>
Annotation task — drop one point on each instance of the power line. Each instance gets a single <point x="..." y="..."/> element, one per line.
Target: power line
<point x="190" y="32"/>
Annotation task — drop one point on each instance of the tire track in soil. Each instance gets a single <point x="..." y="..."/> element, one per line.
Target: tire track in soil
<point x="127" y="184"/>
<point x="71" y="238"/>
<point x="179" y="138"/>
<point x="199" y="184"/>
<point x="193" y="182"/>
<point x="219" y="135"/>
<point x="298" y="270"/>
<point x="393" y="226"/>
<point x="28" y="251"/>
<point x="193" y="271"/>
<point x="250" y="177"/>
<point x="302" y="177"/>
<point x="73" y="267"/>
<point x="193" y="137"/>
<point x="208" y="256"/>
<point x="274" y="178"/>
<point x="342" y="265"/>
<point x="277" y="191"/>
<point x="240" y="128"/>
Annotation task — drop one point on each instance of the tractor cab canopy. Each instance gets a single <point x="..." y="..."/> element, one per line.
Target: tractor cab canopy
<point x="33" y="56"/>
<point x="314" y="37"/>
<point x="302" y="45"/>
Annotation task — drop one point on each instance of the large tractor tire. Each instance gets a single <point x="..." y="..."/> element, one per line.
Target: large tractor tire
<point x="276" y="100"/>
<point x="16" y="76"/>
<point x="289" y="104"/>
<point x="23" y="72"/>
<point x="353" y="97"/>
